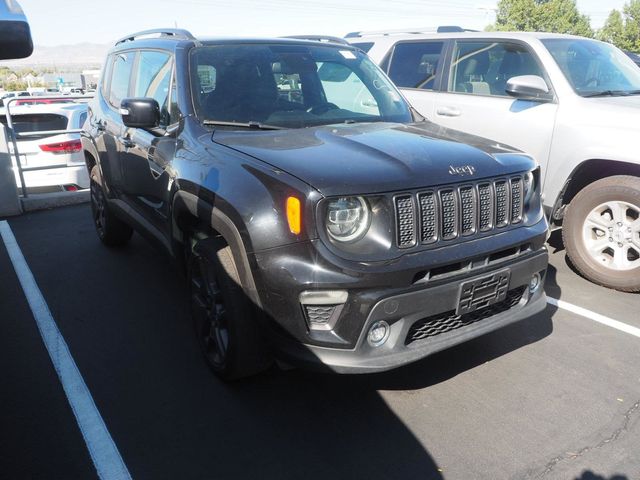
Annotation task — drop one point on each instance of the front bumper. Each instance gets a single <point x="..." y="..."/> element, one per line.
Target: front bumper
<point x="412" y="309"/>
<point x="392" y="292"/>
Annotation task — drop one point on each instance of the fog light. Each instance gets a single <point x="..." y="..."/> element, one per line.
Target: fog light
<point x="378" y="333"/>
<point x="534" y="283"/>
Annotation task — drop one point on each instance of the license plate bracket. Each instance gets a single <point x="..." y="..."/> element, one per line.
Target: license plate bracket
<point x="482" y="292"/>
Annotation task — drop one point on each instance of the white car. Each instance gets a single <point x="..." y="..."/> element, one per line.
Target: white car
<point x="62" y="150"/>
<point x="571" y="102"/>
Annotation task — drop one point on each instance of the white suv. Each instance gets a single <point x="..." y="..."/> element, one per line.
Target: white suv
<point x="57" y="161"/>
<point x="571" y="102"/>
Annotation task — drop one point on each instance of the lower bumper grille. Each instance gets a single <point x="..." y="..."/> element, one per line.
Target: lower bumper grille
<point x="447" y="321"/>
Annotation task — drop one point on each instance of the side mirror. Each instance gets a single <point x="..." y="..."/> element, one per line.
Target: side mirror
<point x="528" y="87"/>
<point x="15" y="34"/>
<point x="140" y="113"/>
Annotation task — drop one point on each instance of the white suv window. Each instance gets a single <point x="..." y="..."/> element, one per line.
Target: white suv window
<point x="483" y="68"/>
<point x="415" y="64"/>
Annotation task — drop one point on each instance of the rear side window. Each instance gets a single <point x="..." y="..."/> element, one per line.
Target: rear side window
<point x="416" y="64"/>
<point x="34" y="122"/>
<point x="483" y="68"/>
<point x="153" y="80"/>
<point x="121" y="75"/>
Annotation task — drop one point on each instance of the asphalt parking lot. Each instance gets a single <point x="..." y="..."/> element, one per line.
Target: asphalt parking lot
<point x="554" y="397"/>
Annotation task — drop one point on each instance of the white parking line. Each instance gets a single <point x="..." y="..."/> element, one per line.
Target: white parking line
<point x="596" y="317"/>
<point x="104" y="453"/>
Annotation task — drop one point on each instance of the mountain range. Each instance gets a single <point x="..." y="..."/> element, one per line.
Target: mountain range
<point x="87" y="55"/>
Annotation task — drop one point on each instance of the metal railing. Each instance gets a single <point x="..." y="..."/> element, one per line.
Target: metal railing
<point x="15" y="136"/>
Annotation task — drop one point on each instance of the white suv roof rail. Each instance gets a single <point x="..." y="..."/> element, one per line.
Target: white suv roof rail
<point x="410" y="31"/>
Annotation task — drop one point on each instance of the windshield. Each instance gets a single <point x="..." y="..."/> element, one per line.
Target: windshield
<point x="595" y="68"/>
<point x="291" y="86"/>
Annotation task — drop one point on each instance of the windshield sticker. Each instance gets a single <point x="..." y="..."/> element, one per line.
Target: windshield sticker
<point x="348" y="54"/>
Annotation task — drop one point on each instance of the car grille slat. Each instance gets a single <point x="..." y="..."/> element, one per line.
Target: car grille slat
<point x="502" y="204"/>
<point x="516" y="200"/>
<point x="485" y="194"/>
<point x="449" y="214"/>
<point x="405" y="222"/>
<point x="453" y="212"/>
<point x="468" y="208"/>
<point x="428" y="217"/>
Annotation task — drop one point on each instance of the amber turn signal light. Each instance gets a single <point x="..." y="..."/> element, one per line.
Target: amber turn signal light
<point x="294" y="216"/>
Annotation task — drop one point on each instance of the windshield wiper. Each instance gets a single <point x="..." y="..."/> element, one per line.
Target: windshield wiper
<point x="612" y="93"/>
<point x="255" y="125"/>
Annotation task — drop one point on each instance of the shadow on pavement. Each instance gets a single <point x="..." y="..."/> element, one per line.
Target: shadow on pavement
<point x="555" y="241"/>
<point x="128" y="326"/>
<point x="589" y="475"/>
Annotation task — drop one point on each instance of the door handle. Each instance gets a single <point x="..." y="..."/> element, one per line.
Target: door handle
<point x="125" y="142"/>
<point x="448" y="112"/>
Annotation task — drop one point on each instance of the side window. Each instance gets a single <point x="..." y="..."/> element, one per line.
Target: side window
<point x="343" y="88"/>
<point x="153" y="80"/>
<point x="121" y="74"/>
<point x="416" y="64"/>
<point x="106" y="75"/>
<point x="483" y="68"/>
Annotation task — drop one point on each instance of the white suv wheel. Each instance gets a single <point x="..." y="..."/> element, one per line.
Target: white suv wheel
<point x="611" y="234"/>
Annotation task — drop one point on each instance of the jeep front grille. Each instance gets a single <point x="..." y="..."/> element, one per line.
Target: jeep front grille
<point x="454" y="212"/>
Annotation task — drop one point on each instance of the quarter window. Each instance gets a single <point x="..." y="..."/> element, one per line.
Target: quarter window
<point x="153" y="80"/>
<point x="483" y="68"/>
<point x="106" y="75"/>
<point x="122" y="63"/>
<point x="416" y="64"/>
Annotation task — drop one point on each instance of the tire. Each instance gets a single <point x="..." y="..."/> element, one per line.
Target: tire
<point x="601" y="232"/>
<point x="112" y="231"/>
<point x="225" y="319"/>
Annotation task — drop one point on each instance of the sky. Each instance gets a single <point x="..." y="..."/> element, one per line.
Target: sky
<point x="104" y="21"/>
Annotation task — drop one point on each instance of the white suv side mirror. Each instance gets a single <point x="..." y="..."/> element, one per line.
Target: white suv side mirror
<point x="529" y="87"/>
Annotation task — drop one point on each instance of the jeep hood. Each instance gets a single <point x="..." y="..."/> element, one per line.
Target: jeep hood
<point x="350" y="159"/>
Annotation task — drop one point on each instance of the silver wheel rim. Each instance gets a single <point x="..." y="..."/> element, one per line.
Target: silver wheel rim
<point x="611" y="235"/>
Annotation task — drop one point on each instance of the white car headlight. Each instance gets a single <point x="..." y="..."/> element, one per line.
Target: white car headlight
<point x="347" y="219"/>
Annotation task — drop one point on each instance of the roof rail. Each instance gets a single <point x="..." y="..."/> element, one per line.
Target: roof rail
<point x="411" y="31"/>
<point x="175" y="33"/>
<point x="320" y="38"/>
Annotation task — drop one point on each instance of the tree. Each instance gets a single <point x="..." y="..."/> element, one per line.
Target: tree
<point x="14" y="86"/>
<point x="623" y="29"/>
<point x="558" y="16"/>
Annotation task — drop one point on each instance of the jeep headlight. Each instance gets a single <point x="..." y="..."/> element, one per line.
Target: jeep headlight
<point x="348" y="218"/>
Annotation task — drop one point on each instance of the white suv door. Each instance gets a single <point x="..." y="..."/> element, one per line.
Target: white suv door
<point x="474" y="100"/>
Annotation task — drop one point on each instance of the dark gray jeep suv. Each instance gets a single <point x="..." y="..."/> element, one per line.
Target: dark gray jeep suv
<point x="318" y="218"/>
